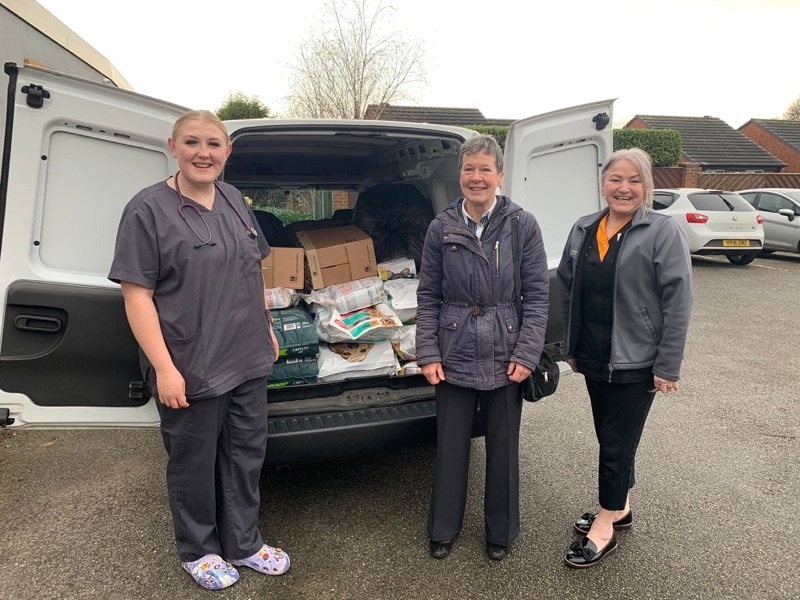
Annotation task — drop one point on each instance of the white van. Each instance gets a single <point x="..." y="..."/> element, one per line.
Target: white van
<point x="76" y="152"/>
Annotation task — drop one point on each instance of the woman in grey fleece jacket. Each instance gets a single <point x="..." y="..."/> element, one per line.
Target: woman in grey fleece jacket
<point x="625" y="282"/>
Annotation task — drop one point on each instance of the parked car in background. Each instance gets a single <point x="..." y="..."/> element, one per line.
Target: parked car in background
<point x="780" y="209"/>
<point x="715" y="222"/>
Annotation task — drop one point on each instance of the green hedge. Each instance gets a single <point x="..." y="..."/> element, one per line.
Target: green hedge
<point x="287" y="215"/>
<point x="663" y="145"/>
<point x="498" y="131"/>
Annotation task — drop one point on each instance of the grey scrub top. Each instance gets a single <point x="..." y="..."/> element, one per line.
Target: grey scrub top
<point x="209" y="299"/>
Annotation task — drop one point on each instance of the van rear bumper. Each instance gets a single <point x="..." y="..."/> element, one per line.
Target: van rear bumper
<point x="345" y="434"/>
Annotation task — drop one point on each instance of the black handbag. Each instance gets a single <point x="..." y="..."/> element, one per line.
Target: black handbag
<point x="543" y="380"/>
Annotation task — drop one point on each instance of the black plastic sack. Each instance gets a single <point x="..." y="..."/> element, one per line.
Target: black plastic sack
<point x="396" y="217"/>
<point x="272" y="228"/>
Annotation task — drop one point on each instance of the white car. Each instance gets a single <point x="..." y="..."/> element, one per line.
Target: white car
<point x="715" y="222"/>
<point x="780" y="209"/>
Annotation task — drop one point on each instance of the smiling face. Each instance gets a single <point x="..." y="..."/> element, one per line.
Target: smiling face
<point x="623" y="189"/>
<point x="479" y="180"/>
<point x="201" y="149"/>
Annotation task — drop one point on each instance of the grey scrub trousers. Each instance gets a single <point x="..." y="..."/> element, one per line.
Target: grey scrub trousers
<point x="221" y="440"/>
<point x="210" y="303"/>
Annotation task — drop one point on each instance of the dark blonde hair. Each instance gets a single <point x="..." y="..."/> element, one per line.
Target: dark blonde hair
<point x="644" y="166"/>
<point x="200" y="115"/>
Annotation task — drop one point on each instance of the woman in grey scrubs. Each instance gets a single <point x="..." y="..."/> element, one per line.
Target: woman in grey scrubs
<point x="188" y="258"/>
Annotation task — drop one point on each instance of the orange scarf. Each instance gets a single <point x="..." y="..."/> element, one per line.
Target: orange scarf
<point x="602" y="238"/>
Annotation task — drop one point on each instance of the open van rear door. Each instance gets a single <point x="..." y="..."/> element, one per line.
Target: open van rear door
<point x="76" y="152"/>
<point x="552" y="170"/>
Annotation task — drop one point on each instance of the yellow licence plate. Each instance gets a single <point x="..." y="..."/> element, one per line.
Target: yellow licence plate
<point x="735" y="242"/>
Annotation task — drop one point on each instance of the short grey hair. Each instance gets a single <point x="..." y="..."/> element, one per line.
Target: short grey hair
<point x="482" y="143"/>
<point x="644" y="166"/>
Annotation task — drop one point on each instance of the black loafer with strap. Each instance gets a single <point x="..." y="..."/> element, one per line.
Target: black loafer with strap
<point x="583" y="553"/>
<point x="584" y="522"/>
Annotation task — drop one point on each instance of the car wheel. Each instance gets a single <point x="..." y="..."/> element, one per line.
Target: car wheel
<point x="742" y="259"/>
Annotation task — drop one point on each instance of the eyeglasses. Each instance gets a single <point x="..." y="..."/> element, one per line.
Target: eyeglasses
<point x="249" y="229"/>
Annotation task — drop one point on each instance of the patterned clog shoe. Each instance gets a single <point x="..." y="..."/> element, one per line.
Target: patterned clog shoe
<point x="268" y="560"/>
<point x="212" y="572"/>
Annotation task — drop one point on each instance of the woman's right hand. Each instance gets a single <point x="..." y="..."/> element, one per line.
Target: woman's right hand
<point x="171" y="388"/>
<point x="433" y="372"/>
<point x="573" y="364"/>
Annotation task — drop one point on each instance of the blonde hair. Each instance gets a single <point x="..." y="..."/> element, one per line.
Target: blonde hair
<point x="200" y="115"/>
<point x="643" y="165"/>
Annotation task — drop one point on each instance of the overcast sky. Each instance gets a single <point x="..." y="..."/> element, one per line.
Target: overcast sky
<point x="732" y="59"/>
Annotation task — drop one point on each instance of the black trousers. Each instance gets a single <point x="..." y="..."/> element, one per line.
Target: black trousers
<point x="455" y="412"/>
<point x="620" y="411"/>
<point x="216" y="449"/>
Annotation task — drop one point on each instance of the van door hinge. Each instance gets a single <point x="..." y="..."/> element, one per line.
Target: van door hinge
<point x="5" y="419"/>
<point x="36" y="95"/>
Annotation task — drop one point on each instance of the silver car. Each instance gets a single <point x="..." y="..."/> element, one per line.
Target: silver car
<point x="780" y="208"/>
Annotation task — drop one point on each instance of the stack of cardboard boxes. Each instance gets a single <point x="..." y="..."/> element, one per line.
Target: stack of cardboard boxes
<point x="325" y="258"/>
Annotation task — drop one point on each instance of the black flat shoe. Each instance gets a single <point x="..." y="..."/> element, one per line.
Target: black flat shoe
<point x="583" y="553"/>
<point x="495" y="551"/>
<point x="440" y="549"/>
<point x="584" y="522"/>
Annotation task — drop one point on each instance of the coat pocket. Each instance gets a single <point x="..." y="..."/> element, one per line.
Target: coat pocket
<point x="649" y="324"/>
<point x="452" y="339"/>
<point x="507" y="335"/>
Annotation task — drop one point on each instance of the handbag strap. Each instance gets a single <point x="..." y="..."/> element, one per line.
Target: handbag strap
<point x="517" y="276"/>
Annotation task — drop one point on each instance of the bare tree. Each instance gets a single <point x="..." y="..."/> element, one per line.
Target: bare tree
<point x="353" y="60"/>
<point x="793" y="110"/>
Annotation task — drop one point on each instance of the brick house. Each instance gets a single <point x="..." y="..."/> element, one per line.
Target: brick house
<point x="713" y="145"/>
<point x="779" y="137"/>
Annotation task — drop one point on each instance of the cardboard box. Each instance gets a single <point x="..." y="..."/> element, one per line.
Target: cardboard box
<point x="337" y="255"/>
<point x="283" y="268"/>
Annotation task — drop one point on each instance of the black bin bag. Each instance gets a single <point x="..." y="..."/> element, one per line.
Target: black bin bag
<point x="396" y="217"/>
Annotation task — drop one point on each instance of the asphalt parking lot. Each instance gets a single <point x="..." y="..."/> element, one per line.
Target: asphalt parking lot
<point x="84" y="512"/>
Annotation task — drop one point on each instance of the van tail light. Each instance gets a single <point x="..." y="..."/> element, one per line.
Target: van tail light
<point x="759" y="219"/>
<point x="696" y="218"/>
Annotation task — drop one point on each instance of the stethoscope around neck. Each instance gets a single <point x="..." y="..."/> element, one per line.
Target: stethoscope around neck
<point x="248" y="228"/>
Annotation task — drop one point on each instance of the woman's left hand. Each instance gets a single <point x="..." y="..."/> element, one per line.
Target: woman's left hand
<point x="517" y="372"/>
<point x="664" y="385"/>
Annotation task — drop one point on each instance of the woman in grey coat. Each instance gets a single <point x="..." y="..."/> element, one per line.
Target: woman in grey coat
<point x="625" y="282"/>
<point x="471" y="348"/>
